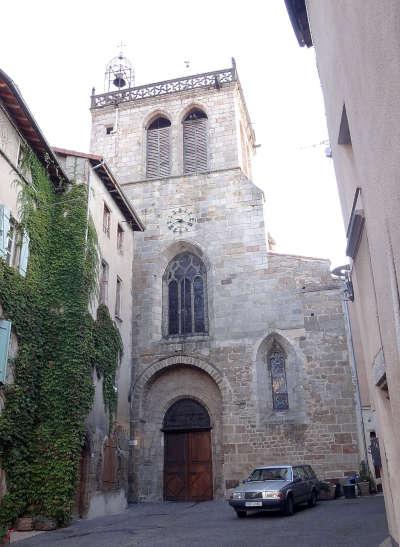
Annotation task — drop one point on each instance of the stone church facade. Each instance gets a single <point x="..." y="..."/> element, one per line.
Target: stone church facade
<point x="240" y="354"/>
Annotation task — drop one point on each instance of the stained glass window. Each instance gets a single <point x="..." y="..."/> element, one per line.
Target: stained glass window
<point x="276" y="364"/>
<point x="186" y="282"/>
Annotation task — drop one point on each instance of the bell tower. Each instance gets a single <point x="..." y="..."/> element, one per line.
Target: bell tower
<point x="221" y="328"/>
<point x="125" y="117"/>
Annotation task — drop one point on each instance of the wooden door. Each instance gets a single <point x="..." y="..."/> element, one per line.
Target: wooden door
<point x="188" y="466"/>
<point x="199" y="466"/>
<point x="82" y="493"/>
<point x="175" y="466"/>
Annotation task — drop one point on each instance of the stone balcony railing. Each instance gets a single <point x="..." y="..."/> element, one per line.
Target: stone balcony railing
<point x="207" y="79"/>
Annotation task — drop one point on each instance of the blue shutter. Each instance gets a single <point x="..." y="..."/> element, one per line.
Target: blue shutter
<point x="23" y="261"/>
<point x="4" y="229"/>
<point x="5" y="329"/>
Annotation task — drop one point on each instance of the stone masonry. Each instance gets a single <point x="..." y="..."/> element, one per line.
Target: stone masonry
<point x="254" y="298"/>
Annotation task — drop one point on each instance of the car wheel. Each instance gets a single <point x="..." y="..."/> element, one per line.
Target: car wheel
<point x="289" y="506"/>
<point x="241" y="514"/>
<point x="312" y="502"/>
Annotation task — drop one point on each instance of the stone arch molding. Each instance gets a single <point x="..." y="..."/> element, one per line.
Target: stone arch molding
<point x="295" y="376"/>
<point x="153" y="115"/>
<point x="193" y="106"/>
<point x="181" y="246"/>
<point x="164" y="364"/>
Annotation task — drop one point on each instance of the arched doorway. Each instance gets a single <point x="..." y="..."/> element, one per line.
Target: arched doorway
<point x="187" y="452"/>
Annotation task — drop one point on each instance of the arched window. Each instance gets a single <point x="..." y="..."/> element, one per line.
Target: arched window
<point x="195" y="153"/>
<point x="186" y="289"/>
<point x="276" y="365"/>
<point x="158" y="162"/>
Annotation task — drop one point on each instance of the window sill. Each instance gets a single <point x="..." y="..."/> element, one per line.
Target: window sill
<point x="174" y="338"/>
<point x="286" y="416"/>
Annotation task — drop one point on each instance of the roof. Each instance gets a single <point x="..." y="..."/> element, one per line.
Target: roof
<point x="98" y="163"/>
<point x="18" y="111"/>
<point x="298" y="17"/>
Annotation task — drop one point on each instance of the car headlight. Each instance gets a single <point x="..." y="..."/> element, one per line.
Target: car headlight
<point x="237" y="495"/>
<point x="272" y="494"/>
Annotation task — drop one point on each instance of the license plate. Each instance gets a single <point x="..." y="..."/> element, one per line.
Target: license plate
<point x="253" y="504"/>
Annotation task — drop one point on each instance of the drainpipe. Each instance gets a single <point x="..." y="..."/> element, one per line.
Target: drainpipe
<point x="353" y="366"/>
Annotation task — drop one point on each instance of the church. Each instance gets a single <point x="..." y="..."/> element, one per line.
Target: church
<point x="240" y="355"/>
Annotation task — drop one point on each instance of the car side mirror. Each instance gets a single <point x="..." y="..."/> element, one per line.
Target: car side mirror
<point x="297" y="479"/>
<point x="244" y="481"/>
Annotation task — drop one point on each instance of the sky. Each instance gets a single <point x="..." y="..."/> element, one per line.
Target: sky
<point x="56" y="52"/>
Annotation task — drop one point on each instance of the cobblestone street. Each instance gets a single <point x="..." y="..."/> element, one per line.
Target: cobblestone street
<point x="340" y="523"/>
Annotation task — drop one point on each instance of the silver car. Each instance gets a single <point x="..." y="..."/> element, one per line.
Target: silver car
<point x="276" y="487"/>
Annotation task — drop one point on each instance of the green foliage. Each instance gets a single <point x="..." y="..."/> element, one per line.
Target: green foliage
<point x="59" y="345"/>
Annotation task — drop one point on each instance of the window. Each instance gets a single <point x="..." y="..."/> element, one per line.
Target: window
<point x="104" y="282"/>
<point x="276" y="365"/>
<point x="109" y="129"/>
<point x="14" y="241"/>
<point x="120" y="238"/>
<point x="118" y="298"/>
<point x="344" y="130"/>
<point x="106" y="220"/>
<point x="195" y="153"/>
<point x="296" y="473"/>
<point x="271" y="474"/>
<point x="5" y="331"/>
<point x="185" y="287"/>
<point x="158" y="148"/>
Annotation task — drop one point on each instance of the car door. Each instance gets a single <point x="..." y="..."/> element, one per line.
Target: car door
<point x="307" y="480"/>
<point x="298" y="486"/>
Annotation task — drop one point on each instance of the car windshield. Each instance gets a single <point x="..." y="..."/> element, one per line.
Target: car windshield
<point x="271" y="474"/>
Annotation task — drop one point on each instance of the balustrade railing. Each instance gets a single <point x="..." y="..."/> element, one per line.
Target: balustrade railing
<point x="208" y="79"/>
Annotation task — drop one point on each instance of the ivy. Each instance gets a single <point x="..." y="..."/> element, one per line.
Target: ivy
<point x="59" y="345"/>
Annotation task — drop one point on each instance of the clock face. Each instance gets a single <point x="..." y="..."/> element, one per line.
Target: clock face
<point x="180" y="220"/>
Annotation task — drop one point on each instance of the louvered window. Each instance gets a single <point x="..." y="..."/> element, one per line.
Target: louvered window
<point x="195" y="149"/>
<point x="158" y="148"/>
<point x="185" y="286"/>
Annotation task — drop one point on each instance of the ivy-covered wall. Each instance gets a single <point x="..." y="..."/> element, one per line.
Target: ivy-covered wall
<point x="43" y="423"/>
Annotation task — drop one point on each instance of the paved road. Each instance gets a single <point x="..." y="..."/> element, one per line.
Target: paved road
<point x="339" y="523"/>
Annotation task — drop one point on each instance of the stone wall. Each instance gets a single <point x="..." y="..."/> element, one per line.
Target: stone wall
<point x="254" y="297"/>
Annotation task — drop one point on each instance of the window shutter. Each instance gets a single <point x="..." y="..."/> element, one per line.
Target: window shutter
<point x="5" y="228"/>
<point x="23" y="261"/>
<point x="195" y="146"/>
<point x="5" y="330"/>
<point x="158" y="152"/>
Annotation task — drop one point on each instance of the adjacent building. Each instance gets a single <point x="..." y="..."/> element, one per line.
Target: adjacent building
<point x="358" y="52"/>
<point x="103" y="486"/>
<point x="239" y="354"/>
<point x="18" y="131"/>
<point x="104" y="460"/>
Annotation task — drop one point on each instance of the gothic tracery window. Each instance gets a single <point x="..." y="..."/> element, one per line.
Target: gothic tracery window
<point x="277" y="369"/>
<point x="186" y="290"/>
<point x="158" y="162"/>
<point x="195" y="149"/>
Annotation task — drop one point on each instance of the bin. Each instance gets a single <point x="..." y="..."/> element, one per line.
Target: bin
<point x="349" y="491"/>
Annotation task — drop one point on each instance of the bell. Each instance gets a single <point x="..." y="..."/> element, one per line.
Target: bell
<point x="119" y="80"/>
